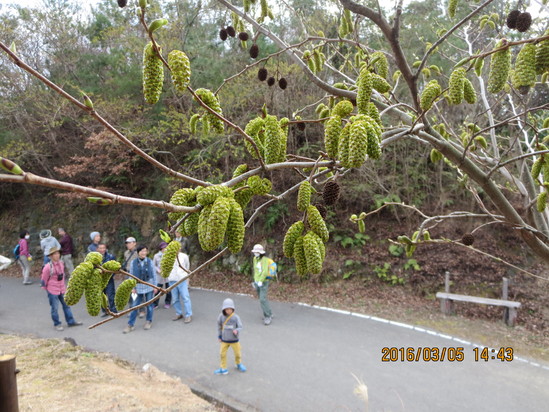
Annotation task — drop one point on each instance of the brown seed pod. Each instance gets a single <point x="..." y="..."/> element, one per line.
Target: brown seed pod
<point x="468" y="239"/>
<point x="331" y="192"/>
<point x="282" y="83"/>
<point x="243" y="36"/>
<point x="254" y="51"/>
<point x="231" y="31"/>
<point x="271" y="81"/>
<point x="301" y="126"/>
<point x="322" y="210"/>
<point x="122" y="3"/>
<point x="524" y="21"/>
<point x="223" y="34"/>
<point x="262" y="74"/>
<point x="512" y="19"/>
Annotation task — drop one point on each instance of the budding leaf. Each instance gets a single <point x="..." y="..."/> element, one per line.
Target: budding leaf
<point x="101" y="201"/>
<point x="155" y="25"/>
<point x="10" y="166"/>
<point x="165" y="236"/>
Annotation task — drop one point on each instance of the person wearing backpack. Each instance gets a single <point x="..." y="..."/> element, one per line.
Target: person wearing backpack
<point x="23" y="257"/>
<point x="262" y="275"/>
<point x="53" y="282"/>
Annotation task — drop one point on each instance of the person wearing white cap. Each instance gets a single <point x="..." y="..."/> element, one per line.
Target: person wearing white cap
<point x="95" y="238"/>
<point x="47" y="242"/>
<point x="261" y="280"/>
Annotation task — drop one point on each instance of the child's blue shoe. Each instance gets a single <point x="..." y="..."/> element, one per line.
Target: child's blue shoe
<point x="221" y="371"/>
<point x="241" y="367"/>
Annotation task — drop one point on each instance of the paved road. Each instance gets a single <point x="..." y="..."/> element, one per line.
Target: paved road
<point x="304" y="361"/>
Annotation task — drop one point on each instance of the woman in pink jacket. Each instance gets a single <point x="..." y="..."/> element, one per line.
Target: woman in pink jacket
<point x="53" y="281"/>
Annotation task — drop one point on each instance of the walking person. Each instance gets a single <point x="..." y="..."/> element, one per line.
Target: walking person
<point x="47" y="242"/>
<point x="67" y="249"/>
<point x="129" y="255"/>
<point x="95" y="238"/>
<point x="229" y="326"/>
<point x="110" y="289"/>
<point x="53" y="282"/>
<point x="261" y="281"/>
<point x="142" y="268"/>
<point x="160" y="281"/>
<point x="181" y="291"/>
<point x="24" y="256"/>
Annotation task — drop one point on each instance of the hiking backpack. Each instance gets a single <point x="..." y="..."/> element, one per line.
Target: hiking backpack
<point x="273" y="267"/>
<point x="17" y="251"/>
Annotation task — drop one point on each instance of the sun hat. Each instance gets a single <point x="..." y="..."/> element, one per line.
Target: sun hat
<point x="45" y="233"/>
<point x="130" y="239"/>
<point x="258" y="249"/>
<point x="53" y="250"/>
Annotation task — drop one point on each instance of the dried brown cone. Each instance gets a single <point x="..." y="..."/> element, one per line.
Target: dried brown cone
<point x="282" y="83"/>
<point x="231" y="31"/>
<point x="301" y="126"/>
<point x="122" y="3"/>
<point x="468" y="239"/>
<point x="524" y="21"/>
<point x="262" y="74"/>
<point x="322" y="210"/>
<point x="243" y="36"/>
<point x="512" y="19"/>
<point x="331" y="192"/>
<point x="223" y="34"/>
<point x="254" y="51"/>
<point x="271" y="81"/>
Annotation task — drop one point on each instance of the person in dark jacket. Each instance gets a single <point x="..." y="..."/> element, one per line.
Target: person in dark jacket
<point x="110" y="289"/>
<point x="67" y="249"/>
<point x="229" y="326"/>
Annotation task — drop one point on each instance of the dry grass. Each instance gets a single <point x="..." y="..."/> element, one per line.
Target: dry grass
<point x="56" y="376"/>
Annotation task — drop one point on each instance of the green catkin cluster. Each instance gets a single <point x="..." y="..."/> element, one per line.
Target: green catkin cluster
<point x="112" y="265"/>
<point x="374" y="113"/>
<point x="168" y="258"/>
<point x="93" y="293"/>
<point x="542" y="55"/>
<point x="541" y="201"/>
<point x="346" y="24"/>
<point x="299" y="257"/>
<point x="452" y="7"/>
<point x="272" y="140"/>
<point x="364" y="92"/>
<point x="455" y="86"/>
<point x="293" y="232"/>
<point x="537" y="166"/>
<point x="77" y="283"/>
<point x="203" y="218"/>
<point x="343" y="146"/>
<point x="153" y="75"/>
<point x="380" y="84"/>
<point x="381" y="65"/>
<point x="358" y="143"/>
<point x="469" y="93"/>
<point x="95" y="258"/>
<point x="304" y="196"/>
<point x="332" y="130"/>
<point x="316" y="223"/>
<point x="313" y="257"/>
<point x="430" y="93"/>
<point x="180" y="69"/>
<point x="182" y="197"/>
<point x="255" y="129"/>
<point x="212" y="102"/>
<point x="259" y="186"/>
<point x="342" y="109"/>
<point x="235" y="227"/>
<point x="209" y="194"/>
<point x="500" y="66"/>
<point x="122" y="295"/>
<point x="190" y="226"/>
<point x="216" y="224"/>
<point x="524" y="75"/>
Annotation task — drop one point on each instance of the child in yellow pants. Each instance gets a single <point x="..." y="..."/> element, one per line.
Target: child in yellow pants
<point x="228" y="331"/>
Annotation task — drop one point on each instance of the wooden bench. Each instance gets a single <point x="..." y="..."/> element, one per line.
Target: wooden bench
<point x="447" y="301"/>
<point x="447" y="304"/>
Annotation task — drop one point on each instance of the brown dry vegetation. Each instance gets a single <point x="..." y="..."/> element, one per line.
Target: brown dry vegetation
<point x="56" y="376"/>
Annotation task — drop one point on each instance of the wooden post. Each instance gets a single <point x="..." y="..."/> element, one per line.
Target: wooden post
<point x="505" y="296"/>
<point x="447" y="305"/>
<point x="8" y="384"/>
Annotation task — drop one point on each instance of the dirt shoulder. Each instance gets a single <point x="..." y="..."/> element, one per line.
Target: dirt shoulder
<point x="57" y="376"/>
